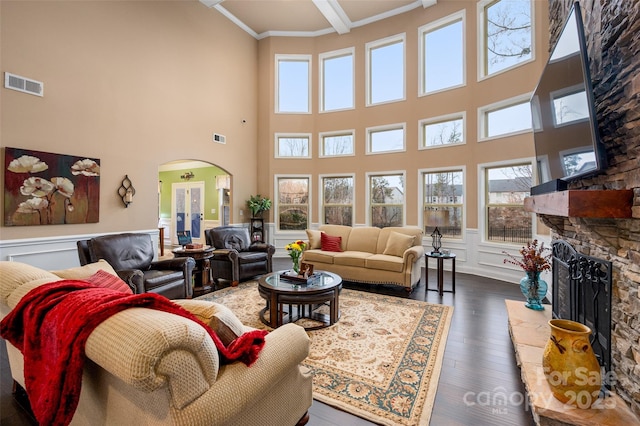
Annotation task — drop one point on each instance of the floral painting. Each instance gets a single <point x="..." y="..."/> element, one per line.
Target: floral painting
<point x="42" y="188"/>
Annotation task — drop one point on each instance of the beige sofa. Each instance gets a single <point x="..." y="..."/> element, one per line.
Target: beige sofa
<point x="148" y="367"/>
<point x="370" y="255"/>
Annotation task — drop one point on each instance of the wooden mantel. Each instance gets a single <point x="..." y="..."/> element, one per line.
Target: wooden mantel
<point x="588" y="203"/>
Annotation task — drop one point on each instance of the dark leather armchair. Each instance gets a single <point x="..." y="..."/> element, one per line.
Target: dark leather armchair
<point x="235" y="257"/>
<point x="131" y="255"/>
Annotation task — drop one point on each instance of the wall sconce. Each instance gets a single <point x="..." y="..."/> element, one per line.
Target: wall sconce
<point x="437" y="218"/>
<point x="187" y="176"/>
<point x="126" y="191"/>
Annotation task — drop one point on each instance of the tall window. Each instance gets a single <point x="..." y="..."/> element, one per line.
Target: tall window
<point x="337" y="200"/>
<point x="336" y="144"/>
<point x="386" y="199"/>
<point x="293" y="203"/>
<point x="442" y="54"/>
<point x="389" y="138"/>
<point x="442" y="131"/>
<point x="336" y="80"/>
<point x="443" y="204"/>
<point x="504" y="118"/>
<point x="293" y="74"/>
<point x="506" y="188"/>
<point x="506" y="34"/>
<point x="293" y="145"/>
<point x="385" y="70"/>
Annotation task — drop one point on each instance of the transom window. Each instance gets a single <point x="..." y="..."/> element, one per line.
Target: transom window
<point x="443" y="204"/>
<point x="386" y="199"/>
<point x="508" y="117"/>
<point x="337" y="80"/>
<point x="506" y="189"/>
<point x="506" y="34"/>
<point x="336" y="144"/>
<point x="293" y="203"/>
<point x="293" y="88"/>
<point x="293" y="145"/>
<point x="389" y="138"/>
<point x="442" y="131"/>
<point x="385" y="64"/>
<point x="337" y="199"/>
<point x="442" y="54"/>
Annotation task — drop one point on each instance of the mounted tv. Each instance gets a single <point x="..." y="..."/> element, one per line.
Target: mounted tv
<point x="566" y="136"/>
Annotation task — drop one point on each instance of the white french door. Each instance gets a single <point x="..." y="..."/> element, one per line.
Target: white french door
<point x="187" y="210"/>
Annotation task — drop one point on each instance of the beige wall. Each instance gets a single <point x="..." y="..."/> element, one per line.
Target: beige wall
<point x="475" y="94"/>
<point x="135" y="84"/>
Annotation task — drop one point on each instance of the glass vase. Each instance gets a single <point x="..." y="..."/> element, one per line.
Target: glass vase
<point x="296" y="264"/>
<point x="534" y="289"/>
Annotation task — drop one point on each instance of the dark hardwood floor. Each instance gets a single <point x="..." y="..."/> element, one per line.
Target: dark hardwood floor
<point x="479" y="382"/>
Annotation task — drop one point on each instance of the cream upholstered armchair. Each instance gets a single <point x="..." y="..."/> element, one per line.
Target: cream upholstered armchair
<point x="166" y="371"/>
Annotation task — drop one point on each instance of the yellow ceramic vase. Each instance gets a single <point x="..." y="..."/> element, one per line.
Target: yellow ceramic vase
<point x="570" y="366"/>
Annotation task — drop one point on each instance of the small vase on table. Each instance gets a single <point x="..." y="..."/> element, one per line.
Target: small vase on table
<point x="534" y="289"/>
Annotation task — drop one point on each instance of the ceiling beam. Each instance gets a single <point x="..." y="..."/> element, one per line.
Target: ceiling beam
<point x="334" y="14"/>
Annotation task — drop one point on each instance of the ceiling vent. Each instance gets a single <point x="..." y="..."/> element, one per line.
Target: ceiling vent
<point x="219" y="138"/>
<point x="23" y="84"/>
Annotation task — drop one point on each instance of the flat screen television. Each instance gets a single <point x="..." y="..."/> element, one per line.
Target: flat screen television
<point x="566" y="137"/>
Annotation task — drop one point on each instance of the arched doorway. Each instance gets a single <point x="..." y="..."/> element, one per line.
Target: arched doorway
<point x="193" y="195"/>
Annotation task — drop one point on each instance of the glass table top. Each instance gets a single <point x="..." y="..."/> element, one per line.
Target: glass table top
<point x="317" y="281"/>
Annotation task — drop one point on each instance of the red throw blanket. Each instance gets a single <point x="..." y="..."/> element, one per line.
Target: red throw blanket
<point x="52" y="323"/>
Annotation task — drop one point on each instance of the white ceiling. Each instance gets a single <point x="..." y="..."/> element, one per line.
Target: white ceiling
<point x="309" y="18"/>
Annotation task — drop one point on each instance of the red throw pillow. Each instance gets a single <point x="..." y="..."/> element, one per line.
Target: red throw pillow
<point x="104" y="279"/>
<point x="329" y="243"/>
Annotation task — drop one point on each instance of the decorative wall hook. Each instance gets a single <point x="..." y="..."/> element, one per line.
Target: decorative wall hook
<point x="126" y="191"/>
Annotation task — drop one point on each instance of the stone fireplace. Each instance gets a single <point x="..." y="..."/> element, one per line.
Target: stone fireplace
<point x="611" y="28"/>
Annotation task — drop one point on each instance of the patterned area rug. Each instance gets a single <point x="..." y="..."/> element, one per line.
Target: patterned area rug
<point x="381" y="361"/>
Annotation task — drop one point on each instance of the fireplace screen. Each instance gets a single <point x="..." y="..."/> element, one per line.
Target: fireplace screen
<point x="582" y="292"/>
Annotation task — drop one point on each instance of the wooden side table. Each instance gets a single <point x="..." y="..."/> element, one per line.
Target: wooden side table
<point x="440" y="258"/>
<point x="202" y="282"/>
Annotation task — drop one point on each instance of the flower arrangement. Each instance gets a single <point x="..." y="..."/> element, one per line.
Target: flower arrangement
<point x="295" y="250"/>
<point x="534" y="257"/>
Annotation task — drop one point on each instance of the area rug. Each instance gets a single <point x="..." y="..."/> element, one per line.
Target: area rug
<point x="381" y="361"/>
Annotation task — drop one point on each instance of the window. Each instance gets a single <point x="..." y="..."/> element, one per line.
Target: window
<point x="337" y="200"/>
<point x="293" y="145"/>
<point x="388" y="138"/>
<point x="504" y="118"/>
<point x="506" y="188"/>
<point x="293" y="203"/>
<point x="442" y="54"/>
<point x="336" y="144"/>
<point x="506" y="34"/>
<point x="443" y="204"/>
<point x="336" y="80"/>
<point x="293" y="74"/>
<point x="386" y="199"/>
<point x="385" y="70"/>
<point x="569" y="106"/>
<point x="441" y="131"/>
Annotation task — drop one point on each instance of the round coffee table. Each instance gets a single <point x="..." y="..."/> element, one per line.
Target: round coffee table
<point x="323" y="288"/>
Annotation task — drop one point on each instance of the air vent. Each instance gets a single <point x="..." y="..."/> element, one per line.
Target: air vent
<point x="23" y="84"/>
<point x="219" y="138"/>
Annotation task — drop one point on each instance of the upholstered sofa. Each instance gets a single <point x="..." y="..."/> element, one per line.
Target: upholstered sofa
<point x="149" y="367"/>
<point x="370" y="255"/>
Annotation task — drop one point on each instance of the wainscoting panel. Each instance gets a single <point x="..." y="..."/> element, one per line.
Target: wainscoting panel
<point x="53" y="253"/>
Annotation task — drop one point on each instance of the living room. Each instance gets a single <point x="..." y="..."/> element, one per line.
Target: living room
<point x="134" y="83"/>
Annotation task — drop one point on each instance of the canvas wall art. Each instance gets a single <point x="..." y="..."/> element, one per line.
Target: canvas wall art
<point x="43" y="188"/>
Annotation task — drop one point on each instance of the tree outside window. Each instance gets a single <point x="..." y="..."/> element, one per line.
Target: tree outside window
<point x="507" y="34"/>
<point x="443" y="131"/>
<point x="337" y="200"/>
<point x="293" y="203"/>
<point x="507" y="187"/>
<point x="443" y="202"/>
<point x="386" y="198"/>
<point x="292" y="145"/>
<point x="336" y="144"/>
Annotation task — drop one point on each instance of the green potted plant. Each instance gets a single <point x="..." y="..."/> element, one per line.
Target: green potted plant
<point x="258" y="204"/>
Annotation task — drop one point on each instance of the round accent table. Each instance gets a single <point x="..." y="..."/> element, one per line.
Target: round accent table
<point x="303" y="298"/>
<point x="440" y="258"/>
<point x="202" y="282"/>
